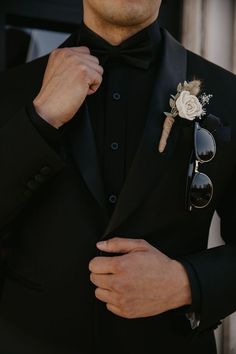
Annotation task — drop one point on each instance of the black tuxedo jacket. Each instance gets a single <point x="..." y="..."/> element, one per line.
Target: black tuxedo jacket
<point x="52" y="212"/>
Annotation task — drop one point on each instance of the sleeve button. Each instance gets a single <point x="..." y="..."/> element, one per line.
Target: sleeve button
<point x="32" y="185"/>
<point x="45" y="170"/>
<point x="39" y="178"/>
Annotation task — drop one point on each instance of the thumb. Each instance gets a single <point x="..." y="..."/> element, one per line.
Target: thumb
<point x="122" y="245"/>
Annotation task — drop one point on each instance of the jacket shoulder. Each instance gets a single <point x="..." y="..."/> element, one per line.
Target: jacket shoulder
<point x="22" y="75"/>
<point x="197" y="65"/>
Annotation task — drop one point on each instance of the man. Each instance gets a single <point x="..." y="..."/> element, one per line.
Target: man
<point x="101" y="254"/>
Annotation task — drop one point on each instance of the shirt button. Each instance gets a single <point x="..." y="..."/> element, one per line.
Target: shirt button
<point x="116" y="96"/>
<point x="112" y="199"/>
<point x="114" y="146"/>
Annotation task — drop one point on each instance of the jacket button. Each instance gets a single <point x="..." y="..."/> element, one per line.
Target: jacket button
<point x="32" y="185"/>
<point x="45" y="170"/>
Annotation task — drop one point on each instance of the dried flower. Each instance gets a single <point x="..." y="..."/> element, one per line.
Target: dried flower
<point x="185" y="104"/>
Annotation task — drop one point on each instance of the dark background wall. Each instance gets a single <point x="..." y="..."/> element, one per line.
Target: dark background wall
<point x="62" y="16"/>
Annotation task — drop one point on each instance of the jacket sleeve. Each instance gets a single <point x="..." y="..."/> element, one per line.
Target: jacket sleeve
<point x="27" y="162"/>
<point x="47" y="131"/>
<point x="216" y="267"/>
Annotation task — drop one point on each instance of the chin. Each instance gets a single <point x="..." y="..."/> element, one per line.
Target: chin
<point x="125" y="13"/>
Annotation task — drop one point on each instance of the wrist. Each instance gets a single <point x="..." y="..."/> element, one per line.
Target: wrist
<point x="44" y="114"/>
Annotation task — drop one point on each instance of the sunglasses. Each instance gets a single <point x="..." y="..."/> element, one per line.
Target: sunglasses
<point x="199" y="189"/>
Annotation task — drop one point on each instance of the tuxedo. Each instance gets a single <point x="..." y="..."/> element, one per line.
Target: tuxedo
<point x="53" y="211"/>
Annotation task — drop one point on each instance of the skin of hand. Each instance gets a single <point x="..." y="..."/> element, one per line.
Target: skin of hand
<point x="71" y="74"/>
<point x="141" y="282"/>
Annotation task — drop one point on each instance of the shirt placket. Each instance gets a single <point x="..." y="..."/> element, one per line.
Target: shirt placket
<point x="114" y="137"/>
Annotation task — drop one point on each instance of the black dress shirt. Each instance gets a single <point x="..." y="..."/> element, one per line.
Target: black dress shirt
<point x="118" y="112"/>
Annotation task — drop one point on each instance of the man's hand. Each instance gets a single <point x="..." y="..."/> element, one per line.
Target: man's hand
<point x="141" y="282"/>
<point x="71" y="75"/>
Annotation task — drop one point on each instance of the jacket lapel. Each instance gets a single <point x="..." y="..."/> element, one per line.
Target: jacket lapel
<point x="149" y="165"/>
<point x="79" y="140"/>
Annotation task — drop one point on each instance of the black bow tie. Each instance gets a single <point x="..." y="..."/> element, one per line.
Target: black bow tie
<point x="135" y="54"/>
<point x="136" y="51"/>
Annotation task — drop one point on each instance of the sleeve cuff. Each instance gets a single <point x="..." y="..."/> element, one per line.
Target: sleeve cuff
<point x="194" y="319"/>
<point x="194" y="284"/>
<point x="47" y="131"/>
<point x="192" y="311"/>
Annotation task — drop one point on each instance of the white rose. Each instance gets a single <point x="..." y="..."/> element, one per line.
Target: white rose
<point x="188" y="106"/>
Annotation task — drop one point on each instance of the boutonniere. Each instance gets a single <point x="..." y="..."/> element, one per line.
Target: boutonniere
<point x="186" y="104"/>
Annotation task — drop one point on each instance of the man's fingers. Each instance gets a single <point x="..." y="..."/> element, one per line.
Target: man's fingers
<point x="103" y="281"/>
<point x="94" y="84"/>
<point x="90" y="64"/>
<point x="122" y="245"/>
<point x="103" y="295"/>
<point x="86" y="55"/>
<point x="114" y="309"/>
<point x="81" y="49"/>
<point x="102" y="265"/>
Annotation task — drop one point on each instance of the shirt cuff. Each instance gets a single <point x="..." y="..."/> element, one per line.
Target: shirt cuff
<point x="194" y="319"/>
<point x="48" y="132"/>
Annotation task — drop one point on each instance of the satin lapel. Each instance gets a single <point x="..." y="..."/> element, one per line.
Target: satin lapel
<point x="149" y="165"/>
<point x="80" y="142"/>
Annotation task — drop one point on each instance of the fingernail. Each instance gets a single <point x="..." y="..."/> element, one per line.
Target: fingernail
<point x="101" y="244"/>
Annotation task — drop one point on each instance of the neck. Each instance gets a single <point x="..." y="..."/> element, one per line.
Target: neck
<point x="112" y="33"/>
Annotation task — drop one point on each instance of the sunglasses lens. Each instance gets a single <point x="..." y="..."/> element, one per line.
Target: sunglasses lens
<point x="201" y="190"/>
<point x="204" y="144"/>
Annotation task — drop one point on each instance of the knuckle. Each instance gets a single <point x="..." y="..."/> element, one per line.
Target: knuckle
<point x="65" y="51"/>
<point x="91" y="277"/>
<point x="61" y="52"/>
<point x="84" y="48"/>
<point x="54" y="52"/>
<point x="96" y="81"/>
<point x="121" y="265"/>
<point x="141" y="243"/>
<point x="129" y="315"/>
<point x="121" y="301"/>
<point x="115" y="286"/>
<point x="97" y="292"/>
<point x="83" y="68"/>
<point x="120" y="287"/>
<point x="118" y="265"/>
<point x="92" y="264"/>
<point x="112" y="285"/>
<point x="99" y="78"/>
<point x="96" y="60"/>
<point x="126" y="312"/>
